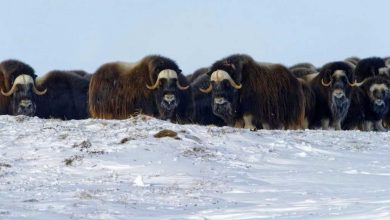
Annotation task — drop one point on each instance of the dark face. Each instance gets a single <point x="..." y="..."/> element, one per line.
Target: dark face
<point x="167" y="98"/>
<point x="22" y="100"/>
<point x="339" y="95"/>
<point x="224" y="100"/>
<point x="379" y="99"/>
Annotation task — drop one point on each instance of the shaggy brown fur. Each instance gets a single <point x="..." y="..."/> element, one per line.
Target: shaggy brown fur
<point x="270" y="93"/>
<point x="118" y="90"/>
<point x="281" y="100"/>
<point x="110" y="96"/>
<point x="310" y="101"/>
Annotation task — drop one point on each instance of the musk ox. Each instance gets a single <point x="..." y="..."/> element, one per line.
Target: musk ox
<point x="252" y="95"/>
<point x="333" y="89"/>
<point x="370" y="104"/>
<point x="153" y="86"/>
<point x="203" y="113"/>
<point x="66" y="97"/>
<point x="372" y="66"/>
<point x="18" y="92"/>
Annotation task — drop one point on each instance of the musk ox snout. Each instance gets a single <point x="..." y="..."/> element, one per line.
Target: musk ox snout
<point x="220" y="100"/>
<point x="26" y="107"/>
<point x="339" y="101"/>
<point x="223" y="109"/>
<point x="379" y="102"/>
<point x="338" y="94"/>
<point x="169" y="102"/>
<point x="380" y="107"/>
<point x="169" y="98"/>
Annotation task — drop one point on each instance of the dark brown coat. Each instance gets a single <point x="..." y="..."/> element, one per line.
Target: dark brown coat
<point x="118" y="90"/>
<point x="270" y="96"/>
<point x="66" y="97"/>
<point x="332" y="100"/>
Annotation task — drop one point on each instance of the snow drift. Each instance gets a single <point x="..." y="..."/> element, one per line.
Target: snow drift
<point x="144" y="168"/>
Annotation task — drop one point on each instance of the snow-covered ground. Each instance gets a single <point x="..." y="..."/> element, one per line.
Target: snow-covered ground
<point x="112" y="169"/>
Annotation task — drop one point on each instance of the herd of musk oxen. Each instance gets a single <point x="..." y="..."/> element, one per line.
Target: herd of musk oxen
<point x="234" y="91"/>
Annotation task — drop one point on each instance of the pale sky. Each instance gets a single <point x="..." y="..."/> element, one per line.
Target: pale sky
<point x="84" y="34"/>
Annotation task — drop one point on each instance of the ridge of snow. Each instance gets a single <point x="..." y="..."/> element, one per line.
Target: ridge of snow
<point x="117" y="169"/>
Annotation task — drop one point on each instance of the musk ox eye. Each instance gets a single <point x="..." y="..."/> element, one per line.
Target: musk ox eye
<point x="162" y="81"/>
<point x="18" y="88"/>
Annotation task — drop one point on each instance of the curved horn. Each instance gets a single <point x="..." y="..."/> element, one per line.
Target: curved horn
<point x="326" y="84"/>
<point x="220" y="75"/>
<point x="154" y="86"/>
<point x="208" y="90"/>
<point x="10" y="92"/>
<point x="234" y="84"/>
<point x="357" y="84"/>
<point x="181" y="87"/>
<point x="36" y="91"/>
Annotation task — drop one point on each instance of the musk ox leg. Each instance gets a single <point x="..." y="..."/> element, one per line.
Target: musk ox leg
<point x="378" y="126"/>
<point x="239" y="124"/>
<point x="386" y="122"/>
<point x="325" y="124"/>
<point x="305" y="123"/>
<point x="282" y="127"/>
<point x="266" y="126"/>
<point x="336" y="125"/>
<point x="248" y="121"/>
<point x="367" y="126"/>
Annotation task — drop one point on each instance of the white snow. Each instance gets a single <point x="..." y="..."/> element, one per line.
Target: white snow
<point x="139" y="182"/>
<point x="117" y="169"/>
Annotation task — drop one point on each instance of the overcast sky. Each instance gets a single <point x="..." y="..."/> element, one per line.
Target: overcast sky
<point x="83" y="34"/>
